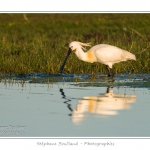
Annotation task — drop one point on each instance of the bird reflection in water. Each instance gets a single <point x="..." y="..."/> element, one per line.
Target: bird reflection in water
<point x="105" y="104"/>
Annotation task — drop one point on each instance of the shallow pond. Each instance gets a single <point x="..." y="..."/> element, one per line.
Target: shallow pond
<point x="43" y="105"/>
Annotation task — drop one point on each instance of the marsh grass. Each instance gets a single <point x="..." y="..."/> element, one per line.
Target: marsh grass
<point x="38" y="42"/>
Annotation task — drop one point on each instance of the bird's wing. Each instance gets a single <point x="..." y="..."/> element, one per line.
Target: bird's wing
<point x="106" y="53"/>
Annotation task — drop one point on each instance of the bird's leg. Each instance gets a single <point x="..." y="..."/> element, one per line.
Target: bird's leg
<point x="110" y="71"/>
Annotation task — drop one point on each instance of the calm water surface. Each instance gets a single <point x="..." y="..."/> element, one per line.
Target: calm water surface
<point x="38" y="107"/>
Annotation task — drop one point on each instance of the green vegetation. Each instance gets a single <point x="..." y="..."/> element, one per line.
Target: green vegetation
<point x="38" y="42"/>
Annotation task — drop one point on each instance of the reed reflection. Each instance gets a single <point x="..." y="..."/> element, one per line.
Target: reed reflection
<point x="106" y="104"/>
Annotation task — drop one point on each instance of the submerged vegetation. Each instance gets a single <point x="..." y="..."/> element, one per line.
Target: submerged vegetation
<point x="39" y="42"/>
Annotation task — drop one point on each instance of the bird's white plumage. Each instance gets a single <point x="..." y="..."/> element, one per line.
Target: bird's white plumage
<point x="103" y="53"/>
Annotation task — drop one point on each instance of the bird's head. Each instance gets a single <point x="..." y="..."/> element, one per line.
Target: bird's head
<point x="73" y="46"/>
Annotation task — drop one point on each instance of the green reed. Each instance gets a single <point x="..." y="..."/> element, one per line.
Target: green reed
<point x="38" y="42"/>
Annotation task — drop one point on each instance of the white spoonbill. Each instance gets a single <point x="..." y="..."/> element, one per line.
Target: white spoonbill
<point x="102" y="53"/>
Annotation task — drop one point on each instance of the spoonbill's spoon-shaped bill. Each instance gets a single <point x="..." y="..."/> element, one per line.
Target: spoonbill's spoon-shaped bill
<point x="102" y="53"/>
<point x="63" y="64"/>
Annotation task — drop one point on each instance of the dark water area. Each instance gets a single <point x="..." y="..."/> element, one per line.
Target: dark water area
<point x="135" y="80"/>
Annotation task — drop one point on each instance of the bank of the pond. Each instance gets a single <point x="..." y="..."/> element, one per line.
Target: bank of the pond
<point x="38" y="42"/>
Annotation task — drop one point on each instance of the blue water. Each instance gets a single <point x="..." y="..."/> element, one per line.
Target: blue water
<point x="46" y="105"/>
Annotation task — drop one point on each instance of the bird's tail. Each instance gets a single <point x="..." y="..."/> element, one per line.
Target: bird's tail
<point x="128" y="56"/>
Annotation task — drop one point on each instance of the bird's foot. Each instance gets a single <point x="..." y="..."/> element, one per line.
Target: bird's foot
<point x="110" y="75"/>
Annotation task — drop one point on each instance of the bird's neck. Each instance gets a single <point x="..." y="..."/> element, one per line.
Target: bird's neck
<point x="85" y="56"/>
<point x="81" y="54"/>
